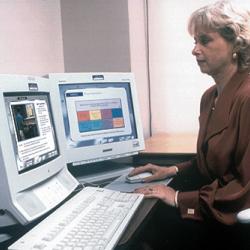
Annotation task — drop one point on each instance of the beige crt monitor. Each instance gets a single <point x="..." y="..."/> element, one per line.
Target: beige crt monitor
<point x="101" y="116"/>
<point x="33" y="173"/>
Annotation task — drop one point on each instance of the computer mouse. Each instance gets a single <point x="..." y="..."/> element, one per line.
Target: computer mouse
<point x="137" y="178"/>
<point x="244" y="216"/>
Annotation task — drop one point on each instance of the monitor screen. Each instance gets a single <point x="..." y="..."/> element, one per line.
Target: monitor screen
<point x="32" y="130"/>
<point x="99" y="113"/>
<point x="101" y="117"/>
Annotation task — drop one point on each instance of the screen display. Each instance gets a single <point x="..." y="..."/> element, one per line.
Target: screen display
<point x="32" y="129"/>
<point x="97" y="113"/>
<point x="101" y="114"/>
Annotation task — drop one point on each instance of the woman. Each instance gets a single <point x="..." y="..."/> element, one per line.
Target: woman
<point x="221" y="33"/>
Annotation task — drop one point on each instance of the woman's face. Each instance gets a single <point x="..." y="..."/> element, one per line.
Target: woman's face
<point x="213" y="53"/>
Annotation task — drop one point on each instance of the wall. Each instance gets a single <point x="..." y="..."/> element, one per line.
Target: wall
<point x="31" y="37"/>
<point x="98" y="35"/>
<point x="95" y="35"/>
<point x="45" y="36"/>
<point x="176" y="78"/>
<point x="176" y="81"/>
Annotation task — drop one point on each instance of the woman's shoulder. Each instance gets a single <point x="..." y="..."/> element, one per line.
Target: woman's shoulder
<point x="242" y="96"/>
<point x="244" y="90"/>
<point x="209" y="92"/>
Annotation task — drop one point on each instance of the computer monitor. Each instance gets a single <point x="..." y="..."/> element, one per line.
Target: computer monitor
<point x="33" y="172"/>
<point x="101" y="117"/>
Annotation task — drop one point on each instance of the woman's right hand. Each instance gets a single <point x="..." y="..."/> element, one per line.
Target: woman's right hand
<point x="158" y="172"/>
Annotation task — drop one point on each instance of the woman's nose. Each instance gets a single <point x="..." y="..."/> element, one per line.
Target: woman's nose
<point x="196" y="50"/>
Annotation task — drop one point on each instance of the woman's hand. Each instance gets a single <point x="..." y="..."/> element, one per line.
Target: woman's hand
<point x="158" y="173"/>
<point x="165" y="193"/>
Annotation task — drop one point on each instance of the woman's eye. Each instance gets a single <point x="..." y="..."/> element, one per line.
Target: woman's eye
<point x="204" y="40"/>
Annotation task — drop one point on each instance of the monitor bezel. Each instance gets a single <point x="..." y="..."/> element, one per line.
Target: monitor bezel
<point x="102" y="152"/>
<point x="16" y="182"/>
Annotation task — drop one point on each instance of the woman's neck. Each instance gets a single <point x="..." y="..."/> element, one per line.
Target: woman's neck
<point x="221" y="79"/>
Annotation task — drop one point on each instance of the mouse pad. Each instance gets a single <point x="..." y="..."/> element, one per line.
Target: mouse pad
<point x="120" y="183"/>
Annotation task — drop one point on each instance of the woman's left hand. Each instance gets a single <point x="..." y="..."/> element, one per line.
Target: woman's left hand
<point x="160" y="191"/>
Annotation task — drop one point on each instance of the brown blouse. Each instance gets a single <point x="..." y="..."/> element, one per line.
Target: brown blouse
<point x="223" y="154"/>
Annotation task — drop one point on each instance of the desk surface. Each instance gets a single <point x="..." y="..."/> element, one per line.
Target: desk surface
<point x="163" y="143"/>
<point x="159" y="144"/>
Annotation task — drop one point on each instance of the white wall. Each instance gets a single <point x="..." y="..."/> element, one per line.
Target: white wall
<point x="31" y="37"/>
<point x="176" y="81"/>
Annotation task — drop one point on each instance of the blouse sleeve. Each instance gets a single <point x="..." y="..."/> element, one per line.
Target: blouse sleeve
<point x="186" y="165"/>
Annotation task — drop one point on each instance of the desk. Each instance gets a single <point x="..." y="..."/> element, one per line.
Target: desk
<point x="168" y="149"/>
<point x="163" y="143"/>
<point x="163" y="149"/>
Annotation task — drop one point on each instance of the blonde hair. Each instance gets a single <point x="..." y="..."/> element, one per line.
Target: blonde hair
<point x="231" y="21"/>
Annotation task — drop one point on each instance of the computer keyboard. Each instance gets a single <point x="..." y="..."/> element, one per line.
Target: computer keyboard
<point x="95" y="218"/>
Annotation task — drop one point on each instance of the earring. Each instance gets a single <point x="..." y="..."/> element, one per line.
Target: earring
<point x="235" y="55"/>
